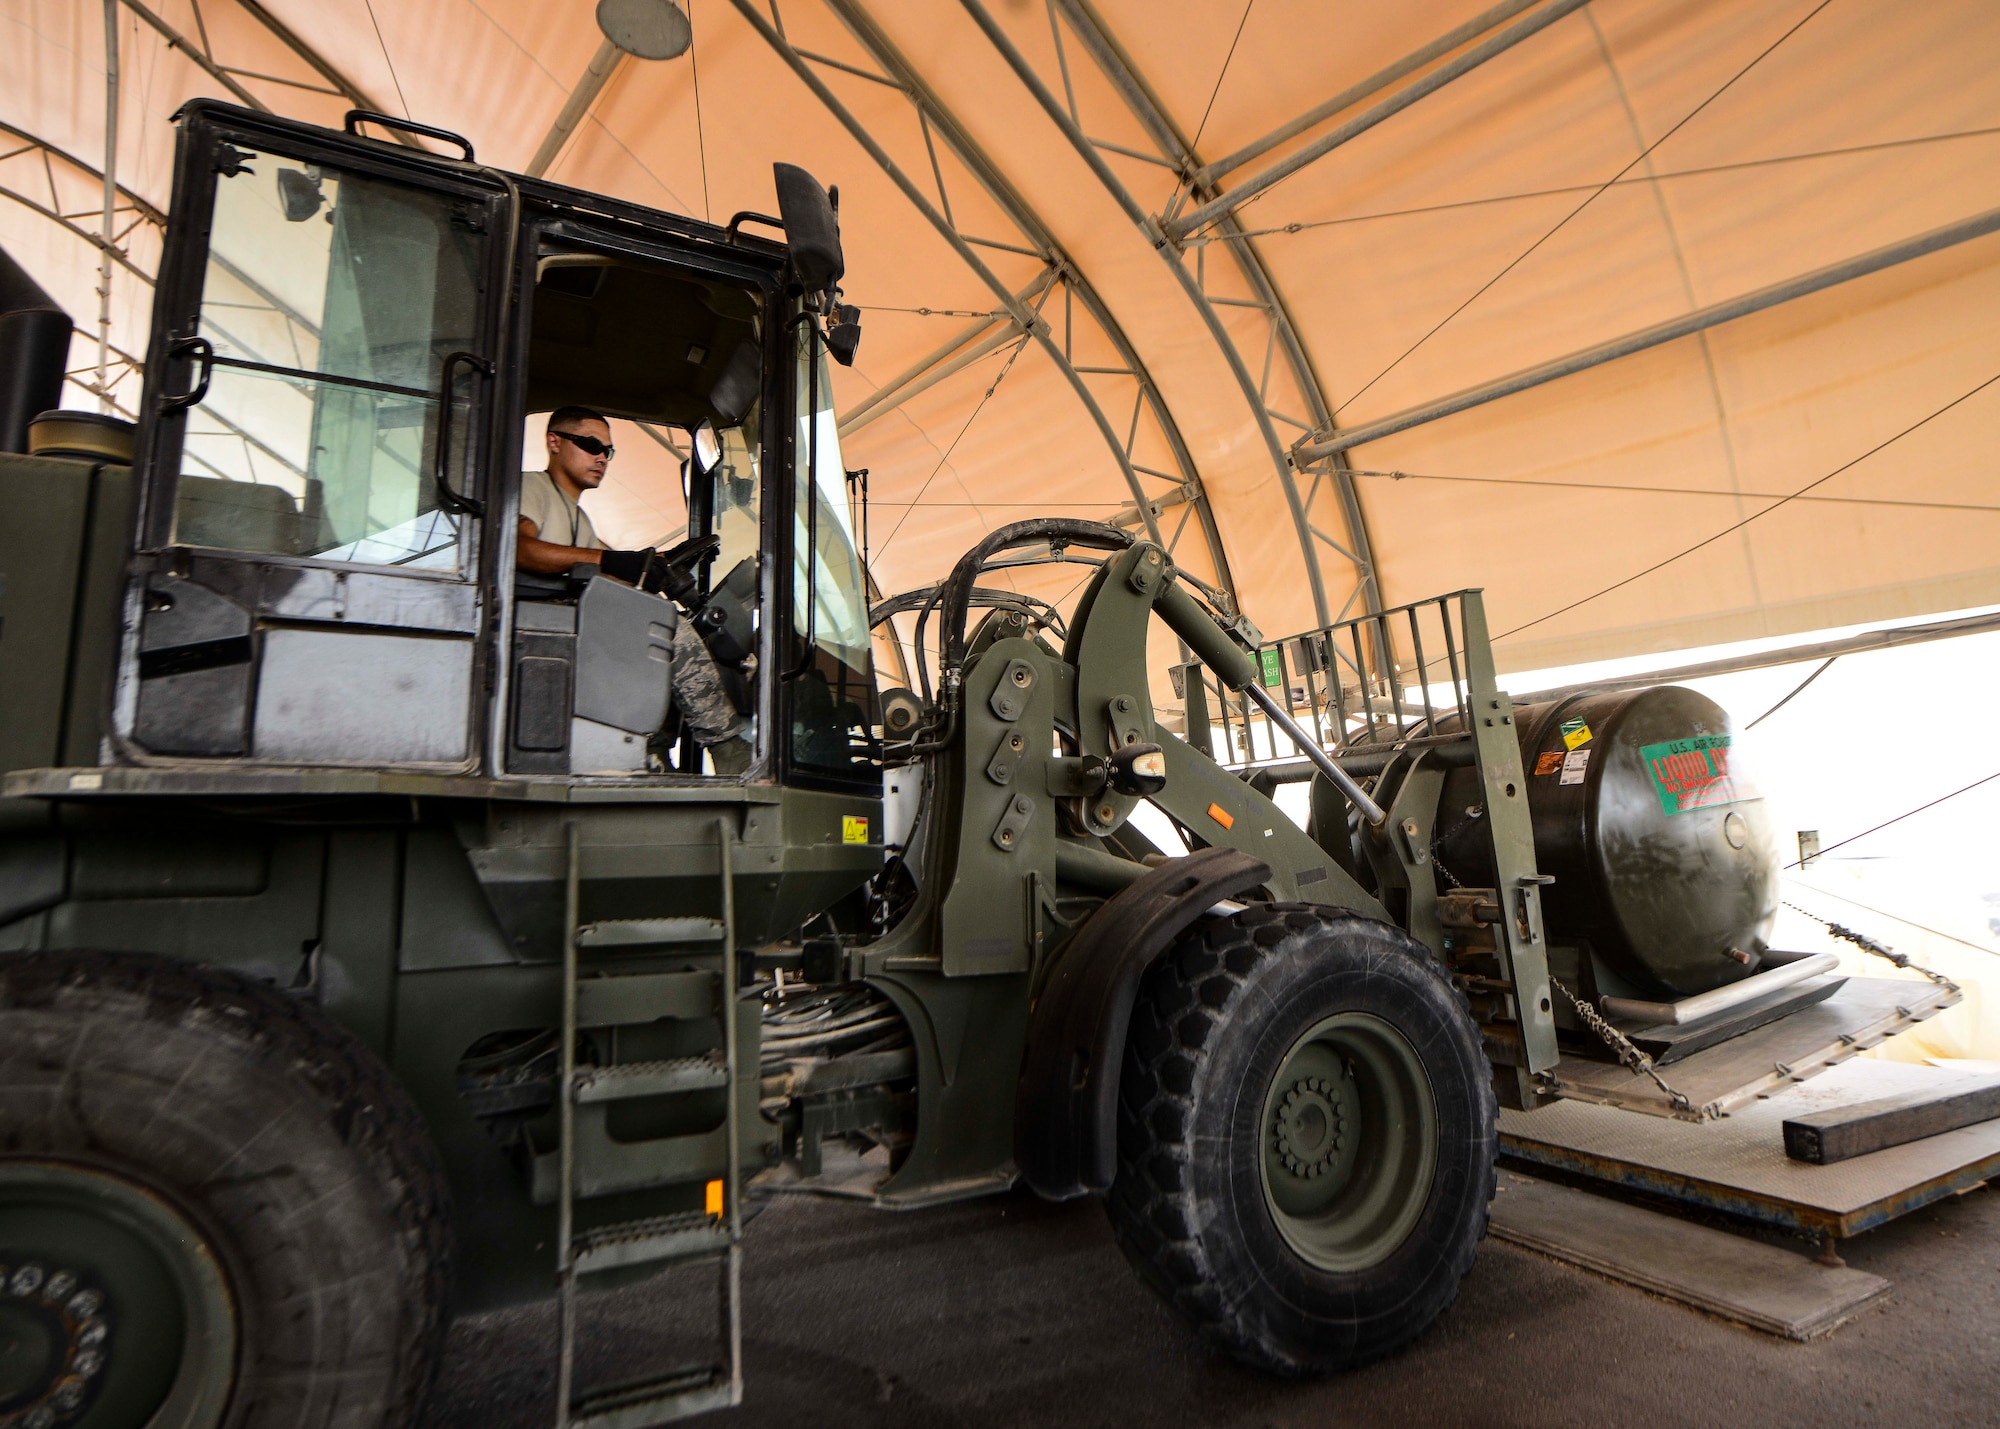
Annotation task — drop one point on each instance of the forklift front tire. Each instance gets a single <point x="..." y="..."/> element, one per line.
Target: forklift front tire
<point x="215" y="1206"/>
<point x="1306" y="1137"/>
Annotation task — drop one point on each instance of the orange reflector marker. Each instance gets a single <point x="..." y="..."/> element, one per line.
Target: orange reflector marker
<point x="1221" y="815"/>
<point x="713" y="1200"/>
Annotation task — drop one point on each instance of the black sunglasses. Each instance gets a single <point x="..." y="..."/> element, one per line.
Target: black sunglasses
<point x="590" y="446"/>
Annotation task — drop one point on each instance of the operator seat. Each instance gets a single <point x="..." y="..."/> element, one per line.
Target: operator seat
<point x="591" y="677"/>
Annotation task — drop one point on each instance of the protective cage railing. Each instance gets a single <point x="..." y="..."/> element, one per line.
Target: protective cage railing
<point x="1401" y="678"/>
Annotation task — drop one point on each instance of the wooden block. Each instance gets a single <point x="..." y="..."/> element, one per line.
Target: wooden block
<point x="1777" y="1291"/>
<point x="1824" y="1137"/>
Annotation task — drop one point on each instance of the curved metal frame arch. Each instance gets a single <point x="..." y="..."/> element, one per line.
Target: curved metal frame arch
<point x="801" y="65"/>
<point x="1280" y="461"/>
<point x="878" y="47"/>
<point x="862" y="25"/>
<point x="1145" y="106"/>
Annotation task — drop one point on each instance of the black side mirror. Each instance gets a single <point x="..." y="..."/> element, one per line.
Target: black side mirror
<point x="843" y="333"/>
<point x="300" y="195"/>
<point x="812" y="228"/>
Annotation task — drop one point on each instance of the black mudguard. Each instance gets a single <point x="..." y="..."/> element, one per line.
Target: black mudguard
<point x="1066" y="1106"/>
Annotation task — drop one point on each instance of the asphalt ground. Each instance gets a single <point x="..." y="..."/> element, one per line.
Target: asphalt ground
<point x="1009" y="1311"/>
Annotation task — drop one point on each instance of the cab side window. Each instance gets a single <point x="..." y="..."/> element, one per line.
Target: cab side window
<point x="331" y="300"/>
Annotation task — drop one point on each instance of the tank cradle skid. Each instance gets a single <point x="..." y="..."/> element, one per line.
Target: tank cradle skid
<point x="385" y="940"/>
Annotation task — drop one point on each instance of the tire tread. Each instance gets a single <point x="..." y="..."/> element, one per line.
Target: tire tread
<point x="1189" y="994"/>
<point x="282" y="1036"/>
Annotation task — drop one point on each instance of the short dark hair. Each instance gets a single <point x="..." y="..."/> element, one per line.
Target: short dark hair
<point x="570" y="416"/>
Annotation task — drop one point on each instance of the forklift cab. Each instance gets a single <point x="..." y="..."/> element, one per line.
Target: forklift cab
<point x="351" y="338"/>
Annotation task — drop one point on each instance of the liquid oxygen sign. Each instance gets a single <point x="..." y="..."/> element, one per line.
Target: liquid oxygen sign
<point x="1693" y="774"/>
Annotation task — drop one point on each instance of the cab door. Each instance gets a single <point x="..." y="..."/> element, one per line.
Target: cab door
<point x="318" y="409"/>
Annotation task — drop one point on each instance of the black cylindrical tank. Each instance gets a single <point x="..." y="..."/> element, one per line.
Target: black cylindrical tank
<point x="1663" y="851"/>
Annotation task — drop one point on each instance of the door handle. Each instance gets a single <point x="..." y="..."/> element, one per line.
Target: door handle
<point x="447" y="497"/>
<point x="203" y="351"/>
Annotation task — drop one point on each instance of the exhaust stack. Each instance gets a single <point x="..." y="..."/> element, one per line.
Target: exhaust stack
<point x="34" y="350"/>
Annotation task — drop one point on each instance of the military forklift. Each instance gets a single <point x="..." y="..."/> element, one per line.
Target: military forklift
<point x="375" y="946"/>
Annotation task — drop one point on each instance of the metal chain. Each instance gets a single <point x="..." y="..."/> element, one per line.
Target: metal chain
<point x="1879" y="949"/>
<point x="1437" y="842"/>
<point x="1628" y="1054"/>
<point x="1638" y="1061"/>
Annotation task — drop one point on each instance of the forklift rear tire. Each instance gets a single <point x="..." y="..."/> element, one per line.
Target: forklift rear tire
<point x="1306" y="1137"/>
<point x="216" y="1207"/>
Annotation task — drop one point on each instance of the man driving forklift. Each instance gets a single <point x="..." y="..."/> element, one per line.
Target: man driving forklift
<point x="556" y="534"/>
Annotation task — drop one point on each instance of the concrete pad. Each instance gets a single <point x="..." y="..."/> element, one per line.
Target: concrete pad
<point x="1758" y="1285"/>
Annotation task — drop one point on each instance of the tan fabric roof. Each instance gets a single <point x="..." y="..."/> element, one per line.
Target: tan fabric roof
<point x="1427" y="255"/>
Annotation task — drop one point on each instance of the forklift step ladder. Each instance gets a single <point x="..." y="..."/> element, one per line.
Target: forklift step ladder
<point x="713" y="1233"/>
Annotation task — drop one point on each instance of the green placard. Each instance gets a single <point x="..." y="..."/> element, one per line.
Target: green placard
<point x="1274" y="674"/>
<point x="1693" y="773"/>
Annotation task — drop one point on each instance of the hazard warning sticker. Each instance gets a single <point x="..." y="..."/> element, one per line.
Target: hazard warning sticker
<point x="1548" y="761"/>
<point x="1576" y="764"/>
<point x="1693" y="774"/>
<point x="1575" y="733"/>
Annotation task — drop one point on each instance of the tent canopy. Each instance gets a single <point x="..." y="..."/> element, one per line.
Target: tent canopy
<point x="1150" y="261"/>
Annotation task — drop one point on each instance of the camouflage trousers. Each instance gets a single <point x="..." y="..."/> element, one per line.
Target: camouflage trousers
<point x="698" y="691"/>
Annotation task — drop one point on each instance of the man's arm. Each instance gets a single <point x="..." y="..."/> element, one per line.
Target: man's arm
<point x="669" y="572"/>
<point x="532" y="553"/>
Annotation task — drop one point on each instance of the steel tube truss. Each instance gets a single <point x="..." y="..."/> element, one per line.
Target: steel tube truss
<point x="1888" y="638"/>
<point x="1179" y="229"/>
<point x="1281" y="331"/>
<point x="101" y="385"/>
<point x="324" y="68"/>
<point x="1146" y="396"/>
<point x="130" y="202"/>
<point x="988" y="335"/>
<point x="1874" y="261"/>
<point x="199" y="52"/>
<point x="938" y="121"/>
<point x="1190" y="284"/>
<point x="1208" y="174"/>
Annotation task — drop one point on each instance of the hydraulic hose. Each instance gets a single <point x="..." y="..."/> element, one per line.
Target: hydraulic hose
<point x="958" y="588"/>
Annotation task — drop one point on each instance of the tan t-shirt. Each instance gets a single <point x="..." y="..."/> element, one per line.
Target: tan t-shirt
<point x="556" y="517"/>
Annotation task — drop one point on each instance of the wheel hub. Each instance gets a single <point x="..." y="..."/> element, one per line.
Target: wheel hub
<point x="54" y="1338"/>
<point x="1349" y="1141"/>
<point x="113" y="1308"/>
<point x="1310" y="1129"/>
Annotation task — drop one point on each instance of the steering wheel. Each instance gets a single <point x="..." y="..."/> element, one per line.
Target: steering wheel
<point x="671" y="572"/>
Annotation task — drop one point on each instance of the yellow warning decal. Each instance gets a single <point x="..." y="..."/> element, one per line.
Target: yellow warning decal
<point x="1575" y="732"/>
<point x="853" y="829"/>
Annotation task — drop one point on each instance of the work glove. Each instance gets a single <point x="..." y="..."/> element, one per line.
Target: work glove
<point x="673" y="570"/>
<point x="628" y="566"/>
<point x="669" y="572"/>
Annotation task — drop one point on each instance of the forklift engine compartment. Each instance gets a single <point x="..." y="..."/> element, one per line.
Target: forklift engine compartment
<point x="371" y="950"/>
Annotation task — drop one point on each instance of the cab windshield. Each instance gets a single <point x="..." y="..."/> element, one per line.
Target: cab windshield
<point x="833" y="683"/>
